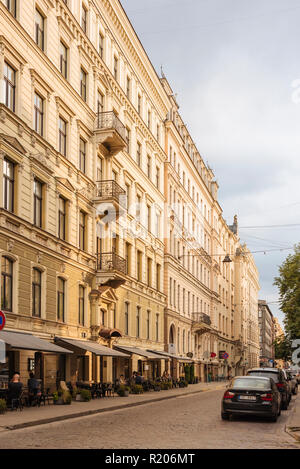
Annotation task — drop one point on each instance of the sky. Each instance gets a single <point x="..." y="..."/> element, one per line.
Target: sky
<point x="235" y="67"/>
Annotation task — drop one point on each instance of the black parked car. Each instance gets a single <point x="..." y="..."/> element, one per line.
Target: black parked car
<point x="251" y="395"/>
<point x="280" y="380"/>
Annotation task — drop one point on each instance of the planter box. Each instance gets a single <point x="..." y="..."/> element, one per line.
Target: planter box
<point x="60" y="401"/>
<point x="79" y="398"/>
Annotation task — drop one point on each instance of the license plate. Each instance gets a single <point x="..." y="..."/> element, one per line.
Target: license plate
<point x="247" y="398"/>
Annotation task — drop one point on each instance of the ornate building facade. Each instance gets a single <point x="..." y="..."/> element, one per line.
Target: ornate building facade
<point x="111" y="237"/>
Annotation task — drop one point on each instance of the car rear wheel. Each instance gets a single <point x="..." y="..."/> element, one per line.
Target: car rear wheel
<point x="284" y="405"/>
<point x="224" y="416"/>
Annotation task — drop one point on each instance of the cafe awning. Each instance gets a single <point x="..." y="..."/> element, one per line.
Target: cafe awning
<point x="141" y="352"/>
<point x="23" y="341"/>
<point x="176" y="357"/>
<point x="91" y="346"/>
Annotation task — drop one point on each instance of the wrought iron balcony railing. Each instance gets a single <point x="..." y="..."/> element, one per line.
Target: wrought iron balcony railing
<point x="110" y="261"/>
<point x="201" y="317"/>
<point x="109" y="120"/>
<point x="111" y="190"/>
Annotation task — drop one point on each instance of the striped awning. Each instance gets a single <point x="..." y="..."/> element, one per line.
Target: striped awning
<point x="24" y="341"/>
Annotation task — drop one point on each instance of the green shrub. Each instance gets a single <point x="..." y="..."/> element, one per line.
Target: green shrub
<point x="74" y="392"/>
<point x="187" y="372"/>
<point x="192" y="375"/>
<point x="55" y="396"/>
<point x="67" y="397"/>
<point x="165" y="385"/>
<point x="137" y="389"/>
<point x="2" y="406"/>
<point x="86" y="395"/>
<point x="122" y="390"/>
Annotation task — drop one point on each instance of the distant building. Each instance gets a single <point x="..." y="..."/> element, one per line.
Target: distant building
<point x="266" y="333"/>
<point x="277" y="328"/>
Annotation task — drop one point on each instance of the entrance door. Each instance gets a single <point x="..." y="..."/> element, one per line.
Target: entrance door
<point x="62" y="367"/>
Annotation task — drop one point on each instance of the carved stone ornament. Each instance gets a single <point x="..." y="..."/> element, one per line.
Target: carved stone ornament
<point x="2" y="116"/>
<point x="40" y="158"/>
<point x="39" y="257"/>
<point x="10" y="245"/>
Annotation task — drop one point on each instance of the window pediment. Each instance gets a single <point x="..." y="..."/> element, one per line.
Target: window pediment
<point x="66" y="183"/>
<point x="41" y="161"/>
<point x="13" y="142"/>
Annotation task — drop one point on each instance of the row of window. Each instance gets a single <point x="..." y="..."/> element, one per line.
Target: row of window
<point x="178" y="299"/>
<point x="37" y="290"/>
<point x="39" y="122"/>
<point x="7" y="282"/>
<point x="38" y="204"/>
<point x="140" y="269"/>
<point x="64" y="60"/>
<point x="138" y="323"/>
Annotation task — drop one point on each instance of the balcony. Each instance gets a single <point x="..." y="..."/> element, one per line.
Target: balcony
<point x="201" y="323"/>
<point x="110" y="200"/>
<point x="111" y="269"/>
<point x="110" y="132"/>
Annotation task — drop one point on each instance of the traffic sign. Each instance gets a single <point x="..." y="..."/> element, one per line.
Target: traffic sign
<point x="2" y="320"/>
<point x="213" y="354"/>
<point x="225" y="355"/>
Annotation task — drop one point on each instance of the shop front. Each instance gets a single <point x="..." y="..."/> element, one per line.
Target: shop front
<point x="149" y="364"/>
<point x="25" y="353"/>
<point x="92" y="362"/>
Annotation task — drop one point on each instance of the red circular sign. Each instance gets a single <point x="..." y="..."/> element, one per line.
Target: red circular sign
<point x="2" y="320"/>
<point x="213" y="354"/>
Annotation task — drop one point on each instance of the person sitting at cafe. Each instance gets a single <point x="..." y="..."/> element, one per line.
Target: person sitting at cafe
<point x="15" y="388"/>
<point x="139" y="379"/>
<point x="34" y="390"/>
<point x="122" y="380"/>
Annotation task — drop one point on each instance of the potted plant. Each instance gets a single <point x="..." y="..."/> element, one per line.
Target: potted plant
<point x="123" y="391"/>
<point x="55" y="397"/>
<point x="157" y="386"/>
<point x="67" y="397"/>
<point x="137" y="389"/>
<point x="85" y="395"/>
<point x="2" y="406"/>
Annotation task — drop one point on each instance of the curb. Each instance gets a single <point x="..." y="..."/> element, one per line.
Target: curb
<point x="98" y="411"/>
<point x="294" y="432"/>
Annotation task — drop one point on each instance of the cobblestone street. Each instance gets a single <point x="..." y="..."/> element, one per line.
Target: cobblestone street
<point x="185" y="422"/>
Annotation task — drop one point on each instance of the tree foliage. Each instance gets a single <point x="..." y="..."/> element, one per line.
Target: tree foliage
<point x="288" y="283"/>
<point x="283" y="350"/>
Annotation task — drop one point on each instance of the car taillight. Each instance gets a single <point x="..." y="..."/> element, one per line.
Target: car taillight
<point x="266" y="397"/>
<point x="228" y="395"/>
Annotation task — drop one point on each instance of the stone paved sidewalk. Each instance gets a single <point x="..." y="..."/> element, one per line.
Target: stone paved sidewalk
<point x="32" y="416"/>
<point x="293" y="427"/>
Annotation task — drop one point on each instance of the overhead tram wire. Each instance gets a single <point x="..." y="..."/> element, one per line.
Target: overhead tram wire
<point x="268" y="226"/>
